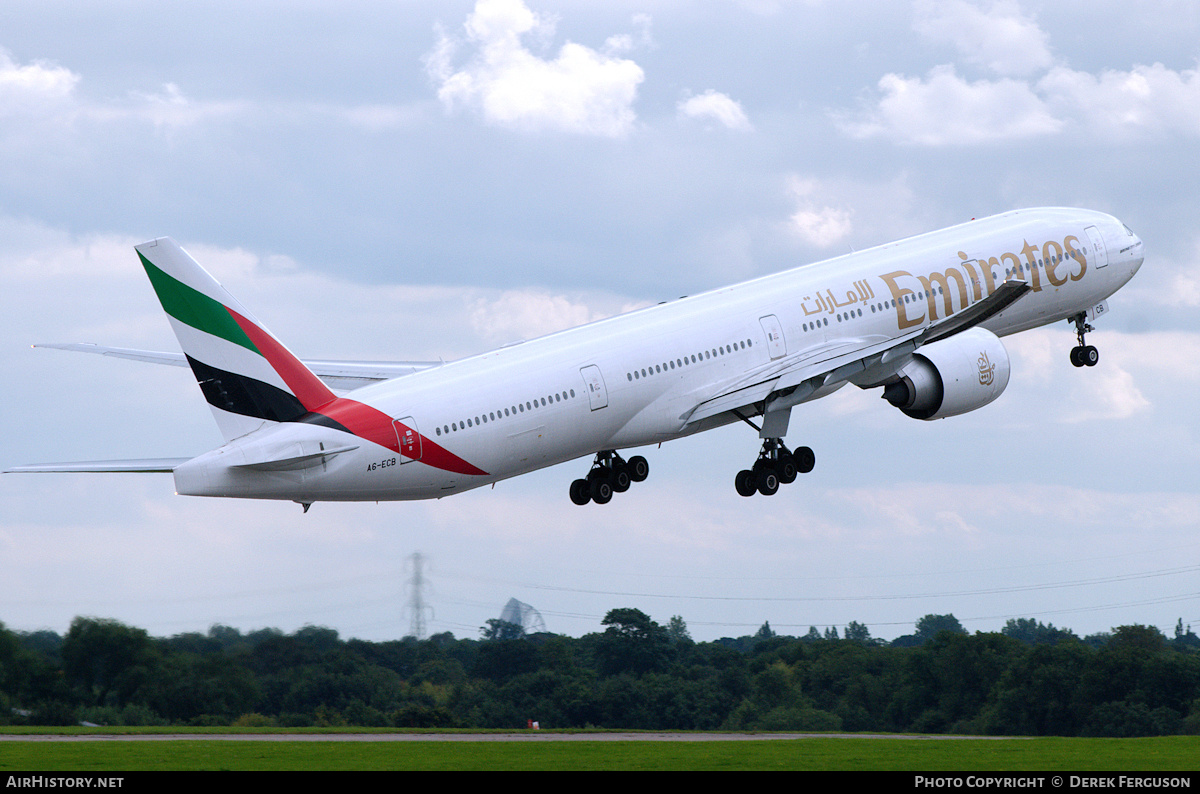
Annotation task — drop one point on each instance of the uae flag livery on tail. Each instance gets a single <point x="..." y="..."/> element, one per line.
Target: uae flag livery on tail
<point x="247" y="375"/>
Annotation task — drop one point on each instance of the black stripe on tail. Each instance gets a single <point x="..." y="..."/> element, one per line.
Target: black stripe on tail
<point x="239" y="394"/>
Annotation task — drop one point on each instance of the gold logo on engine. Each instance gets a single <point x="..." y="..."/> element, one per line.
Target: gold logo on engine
<point x="987" y="370"/>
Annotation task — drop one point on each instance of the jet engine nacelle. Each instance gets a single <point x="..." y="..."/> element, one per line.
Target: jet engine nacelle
<point x="951" y="377"/>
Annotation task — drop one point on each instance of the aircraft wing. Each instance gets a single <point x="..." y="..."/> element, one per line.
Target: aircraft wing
<point x="341" y="375"/>
<point x="1005" y="295"/>
<point x="801" y="373"/>
<point x="808" y="369"/>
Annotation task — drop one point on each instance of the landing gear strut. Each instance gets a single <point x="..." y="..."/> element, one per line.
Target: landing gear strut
<point x="776" y="466"/>
<point x="1083" y="354"/>
<point x="610" y="474"/>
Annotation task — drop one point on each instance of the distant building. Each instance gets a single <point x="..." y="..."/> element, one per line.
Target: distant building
<point x="523" y="615"/>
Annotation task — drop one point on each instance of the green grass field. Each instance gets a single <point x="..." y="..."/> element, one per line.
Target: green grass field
<point x="1175" y="753"/>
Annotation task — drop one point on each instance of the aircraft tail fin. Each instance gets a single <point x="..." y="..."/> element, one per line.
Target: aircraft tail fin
<point x="247" y="376"/>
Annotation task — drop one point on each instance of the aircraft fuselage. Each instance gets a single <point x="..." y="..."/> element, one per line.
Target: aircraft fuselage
<point x="671" y="370"/>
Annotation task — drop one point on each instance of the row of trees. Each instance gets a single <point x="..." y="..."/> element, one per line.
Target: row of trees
<point x="1030" y="678"/>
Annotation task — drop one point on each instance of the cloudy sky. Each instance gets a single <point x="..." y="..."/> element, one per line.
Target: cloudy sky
<point x="415" y="180"/>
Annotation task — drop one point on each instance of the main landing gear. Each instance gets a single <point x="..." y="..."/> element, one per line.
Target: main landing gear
<point x="1083" y="354"/>
<point x="610" y="474"/>
<point x="775" y="466"/>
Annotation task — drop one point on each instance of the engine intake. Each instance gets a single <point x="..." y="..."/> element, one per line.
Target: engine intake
<point x="951" y="377"/>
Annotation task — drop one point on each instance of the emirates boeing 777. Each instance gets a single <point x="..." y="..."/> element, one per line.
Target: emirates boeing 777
<point x="919" y="318"/>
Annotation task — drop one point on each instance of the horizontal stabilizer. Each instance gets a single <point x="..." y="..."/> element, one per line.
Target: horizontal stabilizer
<point x="293" y="462"/>
<point x="341" y="375"/>
<point x="138" y="466"/>
<point x="148" y="356"/>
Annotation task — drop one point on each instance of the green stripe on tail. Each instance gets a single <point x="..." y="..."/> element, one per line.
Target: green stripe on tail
<point x="194" y="308"/>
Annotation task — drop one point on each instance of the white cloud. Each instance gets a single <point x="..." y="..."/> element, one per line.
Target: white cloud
<point x="379" y="118"/>
<point x="521" y="314"/>
<point x="1115" y="395"/>
<point x="580" y="91"/>
<point x="1155" y="356"/>
<point x="822" y="227"/>
<point x="1184" y="287"/>
<point x="1000" y="38"/>
<point x="39" y="102"/>
<point x="32" y="252"/>
<point x="1111" y="391"/>
<point x="946" y="110"/>
<point x="29" y="88"/>
<point x="1185" y="290"/>
<point x="718" y="107"/>
<point x="41" y="99"/>
<point x="623" y="42"/>
<point x="41" y="267"/>
<point x="169" y="107"/>
<point x="818" y="225"/>
<point x="1150" y="99"/>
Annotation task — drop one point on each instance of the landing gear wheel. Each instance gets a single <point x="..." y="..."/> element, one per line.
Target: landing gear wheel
<point x="786" y="469"/>
<point x="621" y="479"/>
<point x="581" y="492"/>
<point x="805" y="459"/>
<point x="1085" y="356"/>
<point x="745" y="483"/>
<point x="639" y="469"/>
<point x="601" y="490"/>
<point x="768" y="482"/>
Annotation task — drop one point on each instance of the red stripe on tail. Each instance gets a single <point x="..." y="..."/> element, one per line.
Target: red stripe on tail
<point x="360" y="419"/>
<point x="374" y="425"/>
<point x="308" y="388"/>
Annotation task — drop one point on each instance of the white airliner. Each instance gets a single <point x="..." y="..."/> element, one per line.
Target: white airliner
<point x="919" y="318"/>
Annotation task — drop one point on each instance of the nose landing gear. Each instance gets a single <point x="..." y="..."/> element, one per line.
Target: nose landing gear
<point x="1083" y="354"/>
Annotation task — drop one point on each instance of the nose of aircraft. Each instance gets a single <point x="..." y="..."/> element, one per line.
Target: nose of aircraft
<point x="1138" y="256"/>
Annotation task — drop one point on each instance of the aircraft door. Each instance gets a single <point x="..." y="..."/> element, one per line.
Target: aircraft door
<point x="594" y="383"/>
<point x="1098" y="245"/>
<point x="408" y="439"/>
<point x="776" y="344"/>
